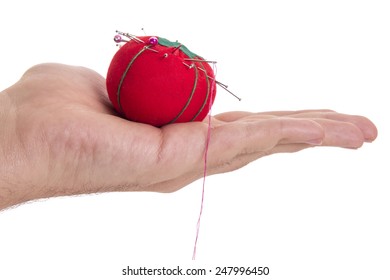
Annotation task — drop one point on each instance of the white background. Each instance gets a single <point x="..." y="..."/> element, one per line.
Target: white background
<point x="320" y="214"/>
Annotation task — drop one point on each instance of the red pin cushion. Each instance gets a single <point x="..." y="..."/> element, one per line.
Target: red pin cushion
<point x="155" y="81"/>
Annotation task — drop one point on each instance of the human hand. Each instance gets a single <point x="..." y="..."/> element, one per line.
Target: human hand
<point x="60" y="136"/>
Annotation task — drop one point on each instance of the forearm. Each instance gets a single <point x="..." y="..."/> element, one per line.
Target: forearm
<point x="14" y="188"/>
<point x="5" y="185"/>
<point x="16" y="175"/>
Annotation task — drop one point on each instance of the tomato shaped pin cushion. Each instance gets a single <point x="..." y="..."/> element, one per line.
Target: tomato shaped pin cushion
<point x="158" y="82"/>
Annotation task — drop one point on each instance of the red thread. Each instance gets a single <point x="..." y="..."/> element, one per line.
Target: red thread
<point x="205" y="162"/>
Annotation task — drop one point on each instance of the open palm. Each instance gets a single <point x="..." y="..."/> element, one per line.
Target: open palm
<point x="61" y="136"/>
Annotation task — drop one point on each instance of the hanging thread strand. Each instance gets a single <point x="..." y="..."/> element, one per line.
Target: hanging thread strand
<point x="205" y="163"/>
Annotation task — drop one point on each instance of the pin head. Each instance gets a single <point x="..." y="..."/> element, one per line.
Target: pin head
<point x="118" y="38"/>
<point x="153" y="41"/>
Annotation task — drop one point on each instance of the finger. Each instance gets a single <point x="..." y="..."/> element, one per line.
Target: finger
<point x="243" y="160"/>
<point x="368" y="129"/>
<point x="341" y="134"/>
<point x="233" y="139"/>
<point x="239" y="115"/>
<point x="336" y="134"/>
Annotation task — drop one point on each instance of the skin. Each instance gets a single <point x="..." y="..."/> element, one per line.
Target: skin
<point x="60" y="136"/>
